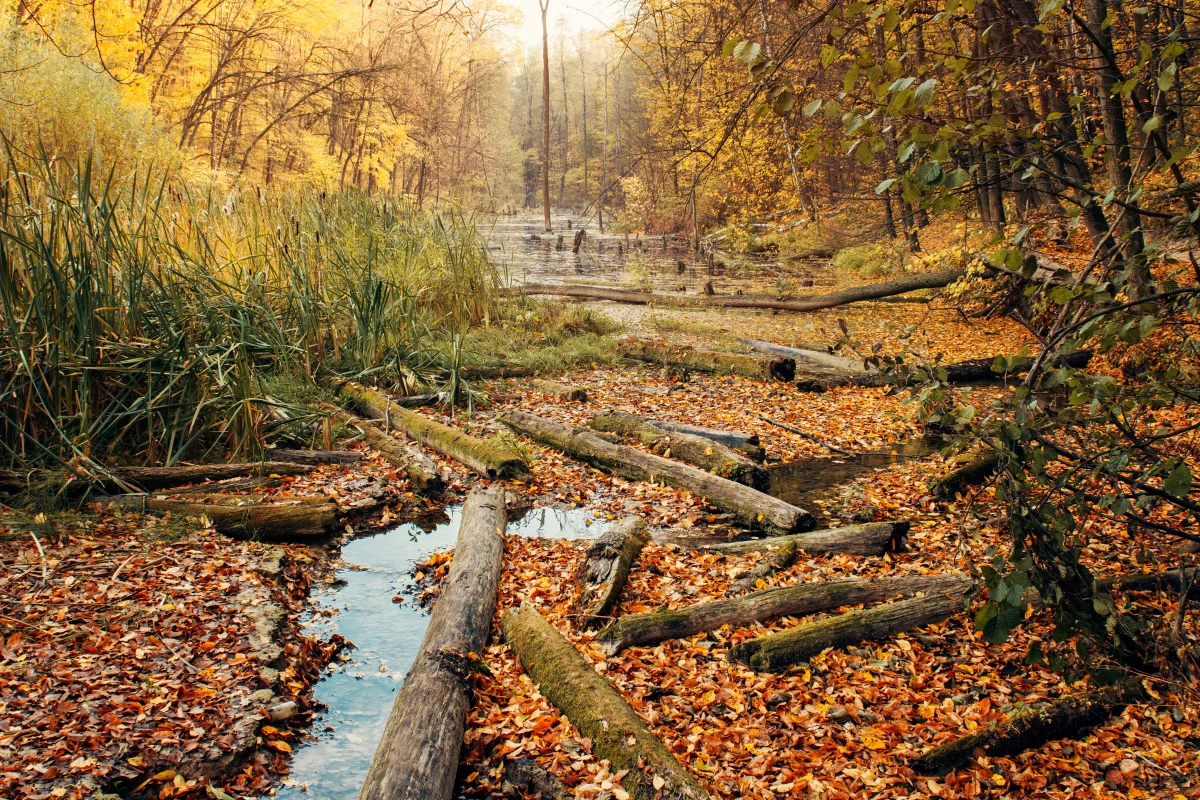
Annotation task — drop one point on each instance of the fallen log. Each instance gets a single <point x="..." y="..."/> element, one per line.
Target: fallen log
<point x="417" y="757"/>
<point x="757" y="368"/>
<point x="473" y="373"/>
<point x="419" y="468"/>
<point x="775" y="651"/>
<point x="147" y="479"/>
<point x="704" y="453"/>
<point x="1029" y="728"/>
<point x="856" y="294"/>
<point x="488" y="458"/>
<point x="973" y="469"/>
<point x="260" y="521"/>
<point x="746" y="443"/>
<point x="605" y="571"/>
<point x="820" y="357"/>
<point x="596" y="710"/>
<point x="314" y="456"/>
<point x="787" y="601"/>
<point x="775" y="561"/>
<point x="570" y="393"/>
<point x="871" y="539"/>
<point x="753" y="508"/>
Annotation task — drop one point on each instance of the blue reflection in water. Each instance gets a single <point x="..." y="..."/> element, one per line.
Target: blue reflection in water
<point x="386" y="635"/>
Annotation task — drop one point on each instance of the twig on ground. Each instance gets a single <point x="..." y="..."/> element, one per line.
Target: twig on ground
<point x="804" y="434"/>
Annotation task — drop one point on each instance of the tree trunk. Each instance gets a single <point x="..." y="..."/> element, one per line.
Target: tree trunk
<point x="753" y="367"/>
<point x="609" y="560"/>
<point x="787" y="601"/>
<point x="819" y="357"/>
<point x="419" y="468"/>
<point x="596" y="709"/>
<point x="746" y="443"/>
<point x="753" y="508"/>
<point x="315" y="457"/>
<point x="871" y="539"/>
<point x="777" y="651"/>
<point x="704" y="453"/>
<point x="260" y="521"/>
<point x="545" y="5"/>
<point x="488" y="458"/>
<point x="857" y="294"/>
<point x="569" y="393"/>
<point x="1030" y="728"/>
<point x="147" y="479"/>
<point x="418" y="755"/>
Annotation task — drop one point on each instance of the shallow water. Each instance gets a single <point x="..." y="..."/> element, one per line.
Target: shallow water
<point x="359" y="692"/>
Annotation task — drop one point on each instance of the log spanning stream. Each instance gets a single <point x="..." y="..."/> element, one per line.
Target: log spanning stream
<point x="358" y="693"/>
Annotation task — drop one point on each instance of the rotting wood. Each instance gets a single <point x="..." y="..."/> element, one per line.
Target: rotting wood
<point x="261" y="521"/>
<point x="417" y="758"/>
<point x="606" y="567"/>
<point x="489" y="458"/>
<point x="314" y="456"/>
<point x="596" y="710"/>
<point x="753" y="508"/>
<point x="746" y="443"/>
<point x="776" y="651"/>
<point x="856" y="294"/>
<point x="972" y="470"/>
<point x="760" y="368"/>
<point x="760" y="606"/>
<point x="705" y="453"/>
<point x="419" y="468"/>
<point x="1029" y="728"/>
<point x="870" y="539"/>
<point x="570" y="393"/>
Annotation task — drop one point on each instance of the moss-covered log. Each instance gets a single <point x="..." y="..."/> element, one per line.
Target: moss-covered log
<point x="760" y="368"/>
<point x="260" y="521"/>
<point x="785" y="601"/>
<point x="570" y="393"/>
<point x="776" y="651"/>
<point x="705" y="453"/>
<point x="489" y="458"/>
<point x="971" y="469"/>
<point x="870" y="539"/>
<point x="417" y="758"/>
<point x="606" y="567"/>
<point x="419" y="468"/>
<point x="1030" y="728"/>
<point x="596" y="709"/>
<point x="748" y="444"/>
<point x="752" y="507"/>
<point x="315" y="456"/>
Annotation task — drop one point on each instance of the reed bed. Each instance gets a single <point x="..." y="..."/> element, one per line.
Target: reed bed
<point x="141" y="315"/>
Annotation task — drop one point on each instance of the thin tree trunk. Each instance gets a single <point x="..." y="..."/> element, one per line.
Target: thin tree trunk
<point x="545" y="5"/>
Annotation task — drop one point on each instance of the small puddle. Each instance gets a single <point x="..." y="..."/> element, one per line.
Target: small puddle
<point x="802" y="482"/>
<point x="358" y="693"/>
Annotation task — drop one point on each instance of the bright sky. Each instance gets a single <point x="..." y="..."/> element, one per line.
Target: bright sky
<point x="579" y="15"/>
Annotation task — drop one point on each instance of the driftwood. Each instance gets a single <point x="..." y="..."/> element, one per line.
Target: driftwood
<point x="760" y="368"/>
<point x="787" y="601"/>
<point x="147" y="479"/>
<point x="618" y="734"/>
<point x="315" y="456"/>
<point x="871" y="539"/>
<point x="698" y="451"/>
<point x="752" y="507"/>
<point x="570" y="393"/>
<point x="776" y="651"/>
<point x="606" y="570"/>
<point x="419" y="468"/>
<point x="972" y="470"/>
<point x="261" y="521"/>
<point x="746" y="443"/>
<point x="489" y="458"/>
<point x="857" y="294"/>
<point x="1029" y="728"/>
<point x="417" y="757"/>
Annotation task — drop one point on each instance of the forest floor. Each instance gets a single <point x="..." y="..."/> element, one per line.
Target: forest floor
<point x="134" y="648"/>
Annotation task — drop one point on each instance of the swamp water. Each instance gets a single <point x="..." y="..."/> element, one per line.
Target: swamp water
<point x="358" y="693"/>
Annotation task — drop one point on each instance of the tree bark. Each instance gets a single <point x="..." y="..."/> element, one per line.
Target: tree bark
<point x="753" y="508"/>
<point x="419" y="468"/>
<point x="746" y="443"/>
<point x="1030" y="728"/>
<point x="570" y="393"/>
<point x="488" y="458"/>
<point x="871" y="539"/>
<point x="786" y="601"/>
<point x="261" y="521"/>
<point x="776" y="651"/>
<point x="545" y="5"/>
<point x="605" y="572"/>
<point x="596" y="709"/>
<point x="707" y="454"/>
<point x="418" y="755"/>
<point x="753" y="367"/>
<point x="857" y="294"/>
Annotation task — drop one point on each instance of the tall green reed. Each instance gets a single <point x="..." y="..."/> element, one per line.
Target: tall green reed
<point x="140" y="313"/>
